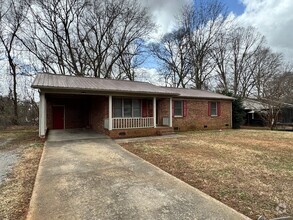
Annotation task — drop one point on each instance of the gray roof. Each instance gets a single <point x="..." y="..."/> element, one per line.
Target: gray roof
<point x="86" y="84"/>
<point x="62" y="82"/>
<point x="196" y="93"/>
<point x="250" y="104"/>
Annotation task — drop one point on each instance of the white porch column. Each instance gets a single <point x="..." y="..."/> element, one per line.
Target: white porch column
<point x="170" y="113"/>
<point x="42" y="115"/>
<point x="155" y="111"/>
<point x="110" y="113"/>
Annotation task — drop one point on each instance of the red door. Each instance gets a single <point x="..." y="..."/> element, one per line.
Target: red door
<point x="58" y="117"/>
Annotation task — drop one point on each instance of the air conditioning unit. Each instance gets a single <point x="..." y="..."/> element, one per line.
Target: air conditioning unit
<point x="166" y="121"/>
<point x="106" y="123"/>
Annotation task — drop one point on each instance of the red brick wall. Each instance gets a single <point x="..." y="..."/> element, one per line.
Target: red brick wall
<point x="140" y="132"/>
<point x="163" y="106"/>
<point x="91" y="111"/>
<point x="76" y="110"/>
<point x="98" y="112"/>
<point x="197" y="115"/>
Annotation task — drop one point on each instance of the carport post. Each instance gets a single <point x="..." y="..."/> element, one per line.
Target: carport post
<point x="110" y="113"/>
<point x="170" y="113"/>
<point x="42" y="115"/>
<point x="155" y="111"/>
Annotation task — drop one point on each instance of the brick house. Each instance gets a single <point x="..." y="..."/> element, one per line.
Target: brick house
<point x="125" y="108"/>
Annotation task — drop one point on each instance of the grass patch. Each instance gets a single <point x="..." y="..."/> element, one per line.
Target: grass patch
<point x="249" y="170"/>
<point x="16" y="190"/>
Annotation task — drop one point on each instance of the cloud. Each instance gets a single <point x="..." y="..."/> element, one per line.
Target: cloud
<point x="274" y="20"/>
<point x="164" y="14"/>
<point x="150" y="75"/>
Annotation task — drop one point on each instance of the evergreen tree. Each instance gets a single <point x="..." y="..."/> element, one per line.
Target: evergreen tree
<point x="237" y="110"/>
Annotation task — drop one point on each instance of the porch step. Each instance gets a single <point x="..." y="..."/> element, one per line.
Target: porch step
<point x="165" y="131"/>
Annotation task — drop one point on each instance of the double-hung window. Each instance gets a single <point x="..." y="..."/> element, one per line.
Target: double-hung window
<point x="214" y="109"/>
<point x="126" y="108"/>
<point x="117" y="108"/>
<point x="136" y="108"/>
<point x="178" y="108"/>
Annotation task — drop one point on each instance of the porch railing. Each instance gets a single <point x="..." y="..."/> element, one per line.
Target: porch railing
<point x="128" y="123"/>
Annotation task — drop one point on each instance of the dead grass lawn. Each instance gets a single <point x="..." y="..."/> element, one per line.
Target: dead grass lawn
<point x="249" y="170"/>
<point x="16" y="190"/>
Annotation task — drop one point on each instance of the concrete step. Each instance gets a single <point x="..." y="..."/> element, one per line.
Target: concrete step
<point x="165" y="131"/>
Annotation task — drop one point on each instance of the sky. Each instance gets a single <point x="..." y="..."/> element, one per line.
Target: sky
<point x="272" y="18"/>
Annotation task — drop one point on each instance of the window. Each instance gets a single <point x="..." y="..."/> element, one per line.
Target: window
<point x="178" y="108"/>
<point x="214" y="108"/>
<point x="136" y="108"/>
<point x="117" y="108"/>
<point x="126" y="107"/>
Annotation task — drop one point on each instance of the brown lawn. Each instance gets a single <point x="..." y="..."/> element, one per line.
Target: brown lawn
<point x="249" y="170"/>
<point x="16" y="189"/>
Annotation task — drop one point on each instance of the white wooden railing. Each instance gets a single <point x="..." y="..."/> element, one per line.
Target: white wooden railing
<point x="128" y="123"/>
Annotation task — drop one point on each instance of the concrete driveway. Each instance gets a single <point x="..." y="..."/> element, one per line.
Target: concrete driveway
<point x="85" y="175"/>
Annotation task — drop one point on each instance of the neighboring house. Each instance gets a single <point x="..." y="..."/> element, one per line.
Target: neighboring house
<point x="126" y="108"/>
<point x="255" y="108"/>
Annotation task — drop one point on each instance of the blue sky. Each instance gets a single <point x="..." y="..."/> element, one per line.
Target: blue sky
<point x="235" y="6"/>
<point x="271" y="18"/>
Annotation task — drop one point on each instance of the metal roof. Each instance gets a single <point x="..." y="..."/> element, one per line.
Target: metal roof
<point x="250" y="104"/>
<point x="196" y="93"/>
<point x="63" y="82"/>
<point x="86" y="84"/>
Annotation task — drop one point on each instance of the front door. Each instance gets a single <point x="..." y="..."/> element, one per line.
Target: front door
<point x="58" y="117"/>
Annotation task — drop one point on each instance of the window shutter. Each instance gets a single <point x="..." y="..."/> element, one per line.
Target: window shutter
<point x="219" y="108"/>
<point x="209" y="108"/>
<point x="144" y="108"/>
<point x="184" y="108"/>
<point x="173" y="104"/>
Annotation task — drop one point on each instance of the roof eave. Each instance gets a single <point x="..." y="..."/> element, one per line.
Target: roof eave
<point x="95" y="91"/>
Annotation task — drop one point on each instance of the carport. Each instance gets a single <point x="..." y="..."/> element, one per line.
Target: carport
<point x="68" y="111"/>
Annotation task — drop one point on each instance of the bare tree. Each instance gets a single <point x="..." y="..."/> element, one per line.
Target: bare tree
<point x="220" y="55"/>
<point x="173" y="55"/>
<point x="204" y="23"/>
<point x="131" y="59"/>
<point x="12" y="14"/>
<point x="50" y="35"/>
<point x="185" y="53"/>
<point x="83" y="37"/>
<point x="264" y="65"/>
<point x="276" y="93"/>
<point x="245" y="43"/>
<point x="235" y="55"/>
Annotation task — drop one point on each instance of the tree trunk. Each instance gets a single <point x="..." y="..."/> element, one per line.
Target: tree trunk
<point x="15" y="99"/>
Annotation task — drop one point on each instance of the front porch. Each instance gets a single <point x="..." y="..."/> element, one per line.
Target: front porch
<point x="145" y="114"/>
<point x="131" y="123"/>
<point x="117" y="116"/>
